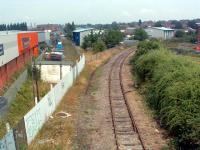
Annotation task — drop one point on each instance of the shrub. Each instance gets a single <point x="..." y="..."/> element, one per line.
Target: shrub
<point x="112" y="38"/>
<point x="140" y="34"/>
<point x="35" y="71"/>
<point x="179" y="33"/>
<point x="173" y="91"/>
<point x="144" y="47"/>
<point x="99" y="46"/>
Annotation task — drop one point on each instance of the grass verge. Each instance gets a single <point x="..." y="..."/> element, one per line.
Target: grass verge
<point x="22" y="104"/>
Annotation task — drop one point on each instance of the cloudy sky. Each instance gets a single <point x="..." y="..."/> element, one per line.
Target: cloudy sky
<point x="96" y="11"/>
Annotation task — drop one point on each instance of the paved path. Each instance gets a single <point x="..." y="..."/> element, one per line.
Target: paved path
<point x="11" y="93"/>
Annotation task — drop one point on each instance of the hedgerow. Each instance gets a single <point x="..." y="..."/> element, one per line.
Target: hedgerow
<point x="173" y="91"/>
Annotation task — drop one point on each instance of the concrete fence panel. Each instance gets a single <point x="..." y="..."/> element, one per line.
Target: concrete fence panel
<point x="8" y="142"/>
<point x="38" y="115"/>
<point x="30" y="125"/>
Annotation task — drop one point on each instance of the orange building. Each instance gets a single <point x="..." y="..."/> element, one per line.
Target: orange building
<point x="28" y="42"/>
<point x="16" y="50"/>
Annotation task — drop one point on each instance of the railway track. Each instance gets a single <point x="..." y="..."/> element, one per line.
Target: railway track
<point x="126" y="133"/>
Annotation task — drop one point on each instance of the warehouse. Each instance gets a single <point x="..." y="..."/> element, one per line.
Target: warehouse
<point x="16" y="50"/>
<point x="44" y="36"/>
<point x="79" y="34"/>
<point x="160" y="32"/>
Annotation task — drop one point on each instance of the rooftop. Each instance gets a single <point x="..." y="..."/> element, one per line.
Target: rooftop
<point x="82" y="29"/>
<point x="163" y="28"/>
<point x="14" y="32"/>
<point x="9" y="32"/>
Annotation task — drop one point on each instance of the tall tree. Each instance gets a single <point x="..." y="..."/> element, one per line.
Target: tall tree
<point x="140" y="23"/>
<point x="192" y="24"/>
<point x="158" y="24"/>
<point x="140" y="35"/>
<point x="68" y="29"/>
<point x="114" y="25"/>
<point x="112" y="38"/>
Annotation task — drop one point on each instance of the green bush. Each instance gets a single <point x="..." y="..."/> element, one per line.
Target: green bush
<point x="179" y="33"/>
<point x="144" y="47"/>
<point x="112" y="37"/>
<point x="33" y="70"/>
<point x="173" y="91"/>
<point x="99" y="46"/>
<point x="140" y="34"/>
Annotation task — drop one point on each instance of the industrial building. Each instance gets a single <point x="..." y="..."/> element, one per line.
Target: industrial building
<point x="160" y="32"/>
<point x="16" y="49"/>
<point x="44" y="36"/>
<point x="79" y="34"/>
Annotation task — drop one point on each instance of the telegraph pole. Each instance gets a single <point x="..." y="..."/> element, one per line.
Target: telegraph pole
<point x="35" y="77"/>
<point x="32" y="77"/>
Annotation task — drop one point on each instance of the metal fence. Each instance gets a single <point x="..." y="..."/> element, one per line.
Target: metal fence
<point x="27" y="129"/>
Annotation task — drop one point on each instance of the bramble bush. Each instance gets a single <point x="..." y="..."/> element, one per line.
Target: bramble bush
<point x="173" y="91"/>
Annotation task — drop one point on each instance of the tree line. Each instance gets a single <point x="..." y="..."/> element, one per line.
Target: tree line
<point x="14" y="26"/>
<point x="102" y="40"/>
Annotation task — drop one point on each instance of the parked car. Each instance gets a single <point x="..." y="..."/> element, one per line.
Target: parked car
<point x="3" y="101"/>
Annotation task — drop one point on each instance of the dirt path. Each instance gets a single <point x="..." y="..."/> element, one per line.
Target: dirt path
<point x="95" y="124"/>
<point x="94" y="128"/>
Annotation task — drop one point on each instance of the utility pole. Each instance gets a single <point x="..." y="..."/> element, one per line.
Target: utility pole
<point x="32" y="77"/>
<point x="35" y="77"/>
<point x="61" y="70"/>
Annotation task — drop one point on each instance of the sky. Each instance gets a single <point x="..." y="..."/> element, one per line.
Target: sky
<point x="96" y="11"/>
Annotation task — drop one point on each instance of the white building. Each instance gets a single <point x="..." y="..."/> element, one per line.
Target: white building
<point x="53" y="71"/>
<point x="44" y="36"/>
<point x="160" y="32"/>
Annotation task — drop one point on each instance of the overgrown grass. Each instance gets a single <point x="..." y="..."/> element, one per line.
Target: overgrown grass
<point x="22" y="104"/>
<point x="173" y="92"/>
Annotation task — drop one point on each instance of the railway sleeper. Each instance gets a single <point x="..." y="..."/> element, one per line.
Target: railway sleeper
<point x="129" y="147"/>
<point x="127" y="139"/>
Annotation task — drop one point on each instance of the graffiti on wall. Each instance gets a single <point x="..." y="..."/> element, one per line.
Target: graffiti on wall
<point x="8" y="142"/>
<point x="33" y="124"/>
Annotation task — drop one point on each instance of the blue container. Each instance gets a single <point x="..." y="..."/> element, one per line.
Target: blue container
<point x="59" y="46"/>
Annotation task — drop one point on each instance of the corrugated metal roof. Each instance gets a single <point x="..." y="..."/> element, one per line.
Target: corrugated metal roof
<point x="8" y="32"/>
<point x="82" y="29"/>
<point x="163" y="28"/>
<point x="11" y="32"/>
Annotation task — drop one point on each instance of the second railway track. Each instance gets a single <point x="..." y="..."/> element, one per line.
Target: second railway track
<point x="125" y="131"/>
